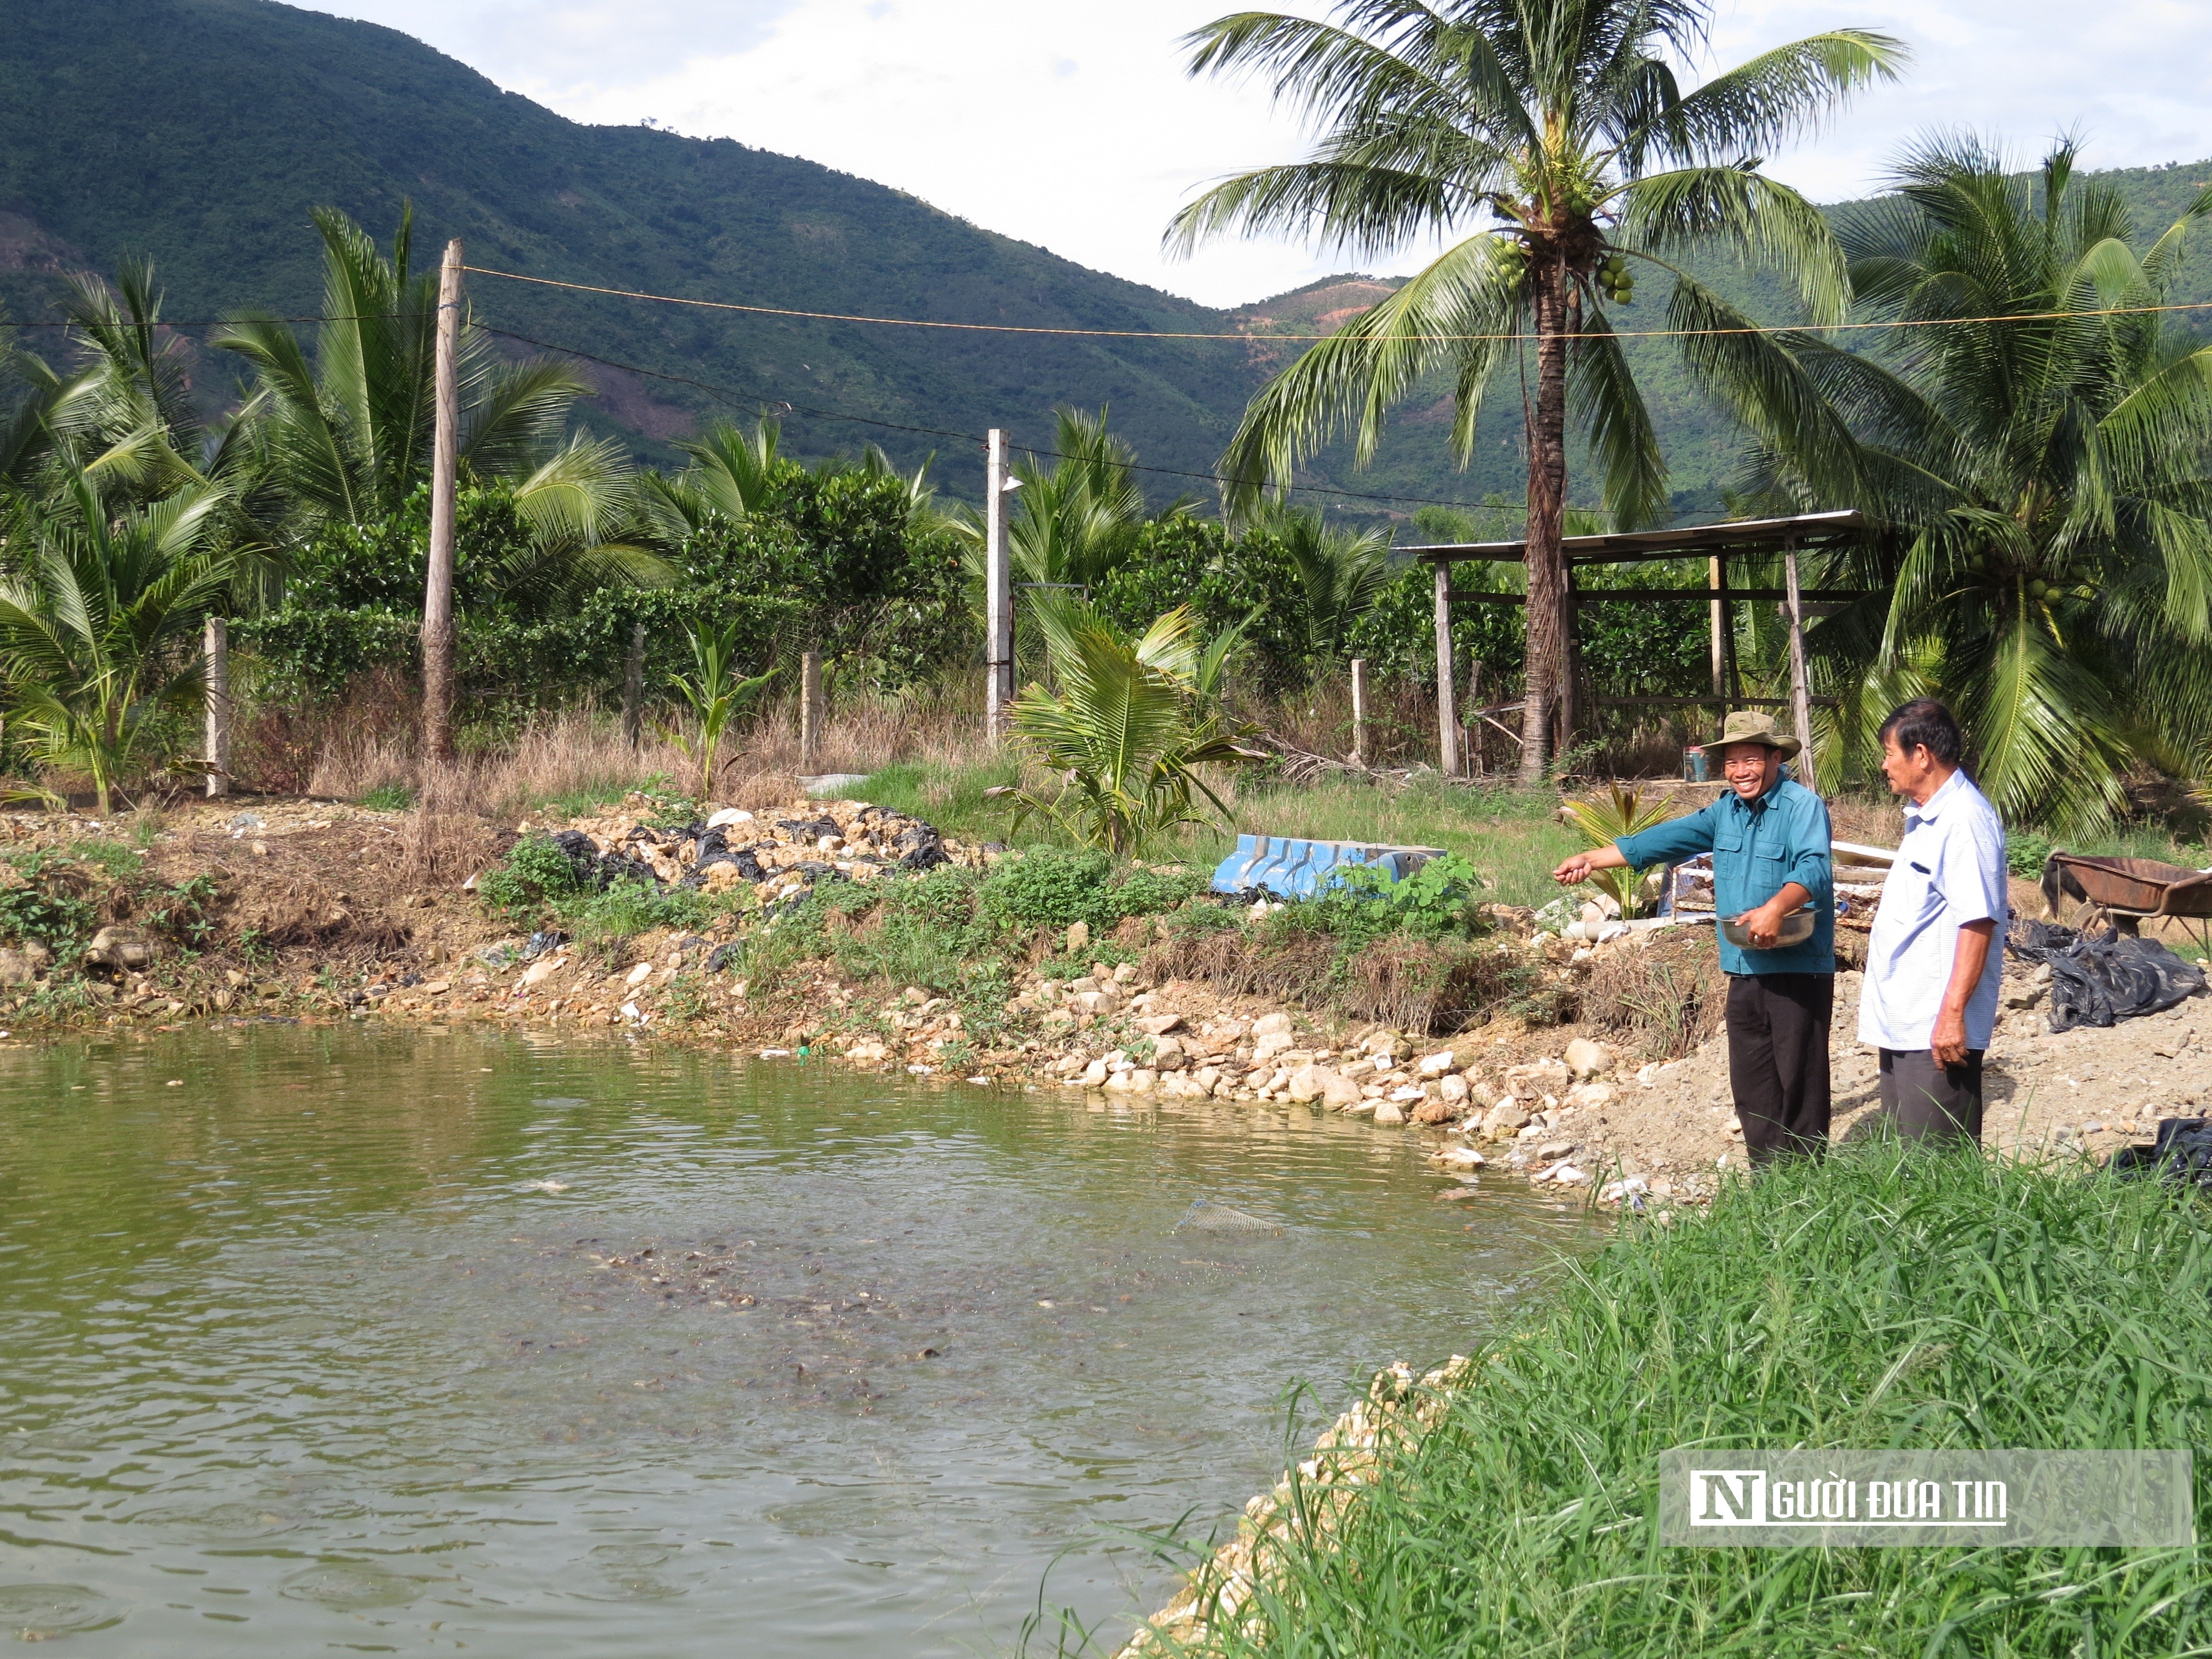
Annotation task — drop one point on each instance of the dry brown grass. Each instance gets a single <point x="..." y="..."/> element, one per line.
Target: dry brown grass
<point x="1425" y="986"/>
<point x="336" y="891"/>
<point x="1867" y="819"/>
<point x="1666" y="996"/>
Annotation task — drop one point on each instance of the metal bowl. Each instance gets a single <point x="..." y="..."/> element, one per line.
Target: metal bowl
<point x="1796" y="928"/>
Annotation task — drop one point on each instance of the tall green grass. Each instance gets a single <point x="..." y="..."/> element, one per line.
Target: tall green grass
<point x="1878" y="1300"/>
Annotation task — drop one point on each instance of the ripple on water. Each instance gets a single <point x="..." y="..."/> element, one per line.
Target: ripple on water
<point x="355" y="1586"/>
<point x="39" y="1613"/>
<point x="222" y="1523"/>
<point x="630" y="1572"/>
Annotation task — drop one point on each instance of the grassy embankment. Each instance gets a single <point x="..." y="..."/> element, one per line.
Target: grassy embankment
<point x="1878" y="1300"/>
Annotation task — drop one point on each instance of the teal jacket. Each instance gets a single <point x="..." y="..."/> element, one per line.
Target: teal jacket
<point x="1757" y="847"/>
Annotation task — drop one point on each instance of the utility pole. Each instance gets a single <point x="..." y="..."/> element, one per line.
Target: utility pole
<point x="998" y="593"/>
<point x="438" y="594"/>
<point x="217" y="652"/>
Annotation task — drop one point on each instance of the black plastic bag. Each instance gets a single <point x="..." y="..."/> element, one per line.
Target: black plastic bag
<point x="2101" y="981"/>
<point x="2183" y="1153"/>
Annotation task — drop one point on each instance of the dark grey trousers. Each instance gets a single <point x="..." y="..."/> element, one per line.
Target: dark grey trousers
<point x="1777" y="1032"/>
<point x="1921" y="1100"/>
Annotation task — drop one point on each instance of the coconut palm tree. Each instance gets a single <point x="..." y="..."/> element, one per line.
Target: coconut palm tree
<point x="1074" y="520"/>
<point x="99" y="623"/>
<point x="1342" y="572"/>
<point x="2041" y="439"/>
<point x="1130" y="727"/>
<point x="347" y="434"/>
<point x="1556" y="132"/>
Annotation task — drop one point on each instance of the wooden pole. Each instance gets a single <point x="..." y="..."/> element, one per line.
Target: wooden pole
<point x="1359" y="711"/>
<point x="437" y="592"/>
<point x="1716" y="580"/>
<point x="218" y="707"/>
<point x="1801" y="693"/>
<point x="1471" y="755"/>
<point x="1570" y="692"/>
<point x="999" y="593"/>
<point x="810" y="713"/>
<point x="633" y="703"/>
<point x="1447" y="717"/>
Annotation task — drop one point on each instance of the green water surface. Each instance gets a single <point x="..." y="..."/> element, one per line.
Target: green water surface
<point x="348" y="1341"/>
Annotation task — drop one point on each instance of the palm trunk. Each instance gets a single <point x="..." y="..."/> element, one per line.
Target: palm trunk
<point x="1547" y="501"/>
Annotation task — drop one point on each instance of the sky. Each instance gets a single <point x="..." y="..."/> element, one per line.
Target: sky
<point x="1072" y="124"/>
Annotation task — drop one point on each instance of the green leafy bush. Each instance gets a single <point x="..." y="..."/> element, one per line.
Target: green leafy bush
<point x="534" y="875"/>
<point x="45" y="907"/>
<point x="1053" y="887"/>
<point x="389" y="797"/>
<point x="2026" y="852"/>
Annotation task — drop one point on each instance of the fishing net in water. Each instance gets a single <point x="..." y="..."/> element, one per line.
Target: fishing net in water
<point x="1205" y="1216"/>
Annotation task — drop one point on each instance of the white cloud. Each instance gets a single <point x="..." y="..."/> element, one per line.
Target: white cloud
<point x="1070" y="123"/>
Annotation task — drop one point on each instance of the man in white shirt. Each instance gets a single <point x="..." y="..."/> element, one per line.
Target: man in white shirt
<point x="1929" y="999"/>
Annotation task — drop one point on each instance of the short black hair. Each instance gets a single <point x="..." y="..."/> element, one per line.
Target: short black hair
<point x="1924" y="723"/>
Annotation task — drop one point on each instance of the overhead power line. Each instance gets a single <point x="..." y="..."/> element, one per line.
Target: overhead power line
<point x="1379" y="339"/>
<point x="741" y="400"/>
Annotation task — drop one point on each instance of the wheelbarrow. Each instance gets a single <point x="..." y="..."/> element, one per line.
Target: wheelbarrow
<point x="2122" y="893"/>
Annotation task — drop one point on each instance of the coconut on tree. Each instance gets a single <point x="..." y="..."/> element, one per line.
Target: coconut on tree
<point x="1551" y="144"/>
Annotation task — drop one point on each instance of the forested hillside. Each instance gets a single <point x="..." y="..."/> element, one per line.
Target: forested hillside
<point x="202" y="132"/>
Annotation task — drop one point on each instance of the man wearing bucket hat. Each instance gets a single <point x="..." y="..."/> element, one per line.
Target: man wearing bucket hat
<point x="1769" y="837"/>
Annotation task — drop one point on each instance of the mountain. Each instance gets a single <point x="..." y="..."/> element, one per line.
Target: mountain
<point x="202" y="132"/>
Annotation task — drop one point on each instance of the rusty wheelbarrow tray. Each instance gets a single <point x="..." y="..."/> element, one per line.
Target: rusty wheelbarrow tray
<point x="2125" y="892"/>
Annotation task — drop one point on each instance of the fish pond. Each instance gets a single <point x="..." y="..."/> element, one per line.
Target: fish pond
<point x="333" y="1340"/>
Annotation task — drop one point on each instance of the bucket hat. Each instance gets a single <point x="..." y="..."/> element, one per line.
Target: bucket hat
<point x="1749" y="725"/>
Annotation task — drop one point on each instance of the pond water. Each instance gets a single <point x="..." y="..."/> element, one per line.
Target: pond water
<point x="334" y="1340"/>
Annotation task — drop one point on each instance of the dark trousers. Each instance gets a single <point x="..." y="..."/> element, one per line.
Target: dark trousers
<point x="1777" y="1032"/>
<point x="1923" y="1101"/>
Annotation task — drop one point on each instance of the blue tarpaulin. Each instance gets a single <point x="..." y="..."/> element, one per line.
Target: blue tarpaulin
<point x="1291" y="867"/>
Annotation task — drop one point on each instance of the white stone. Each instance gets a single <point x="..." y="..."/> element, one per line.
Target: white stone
<point x="1388" y="1112"/>
<point x="1269" y="1024"/>
<point x="1454" y="1090"/>
<point x="1588" y="1059"/>
<point x="1438" y="1064"/>
<point x="727" y="815"/>
<point x="639" y="974"/>
<point x="1094" y="1075"/>
<point x="1590" y="1094"/>
<point x="1464" y="1157"/>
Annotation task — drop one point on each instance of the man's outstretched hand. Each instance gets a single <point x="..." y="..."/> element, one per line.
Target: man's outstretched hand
<point x="1580" y="866"/>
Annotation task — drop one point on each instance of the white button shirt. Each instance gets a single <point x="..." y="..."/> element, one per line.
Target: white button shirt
<point x="1950" y="870"/>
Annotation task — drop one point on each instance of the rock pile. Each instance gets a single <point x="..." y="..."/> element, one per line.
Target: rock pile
<point x="778" y="855"/>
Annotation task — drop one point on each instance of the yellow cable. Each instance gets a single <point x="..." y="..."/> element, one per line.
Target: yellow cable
<point x="1149" y="334"/>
